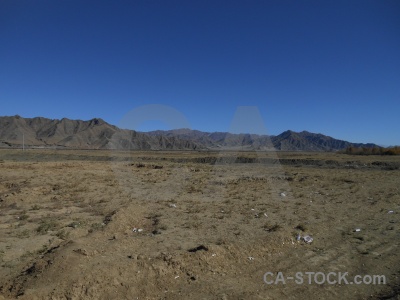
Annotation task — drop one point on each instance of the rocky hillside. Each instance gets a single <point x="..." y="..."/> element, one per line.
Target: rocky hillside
<point x="307" y="141"/>
<point x="286" y="141"/>
<point x="98" y="134"/>
<point x="92" y="134"/>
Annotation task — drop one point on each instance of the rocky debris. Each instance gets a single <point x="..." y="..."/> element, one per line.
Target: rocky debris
<point x="198" y="248"/>
<point x="81" y="251"/>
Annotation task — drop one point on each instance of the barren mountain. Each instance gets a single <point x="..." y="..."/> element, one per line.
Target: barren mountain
<point x="98" y="134"/>
<point x="287" y="141"/>
<point x="92" y="134"/>
<point x="290" y="140"/>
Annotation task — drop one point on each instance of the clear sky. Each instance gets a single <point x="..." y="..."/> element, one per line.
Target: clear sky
<point x="330" y="67"/>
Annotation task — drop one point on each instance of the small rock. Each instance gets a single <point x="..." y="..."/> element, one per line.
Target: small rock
<point x="81" y="251"/>
<point x="283" y="195"/>
<point x="362" y="249"/>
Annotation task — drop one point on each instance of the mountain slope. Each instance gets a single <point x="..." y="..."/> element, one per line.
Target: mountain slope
<point x="290" y="140"/>
<point x="286" y="141"/>
<point x="98" y="134"/>
<point x="92" y="134"/>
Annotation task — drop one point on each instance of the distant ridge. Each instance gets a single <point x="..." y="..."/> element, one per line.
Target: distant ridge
<point x="286" y="141"/>
<point x="78" y="134"/>
<point x="98" y="134"/>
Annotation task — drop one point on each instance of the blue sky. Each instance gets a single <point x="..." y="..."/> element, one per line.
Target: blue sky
<point x="330" y="67"/>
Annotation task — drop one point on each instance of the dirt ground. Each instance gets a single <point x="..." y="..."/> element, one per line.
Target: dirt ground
<point x="196" y="225"/>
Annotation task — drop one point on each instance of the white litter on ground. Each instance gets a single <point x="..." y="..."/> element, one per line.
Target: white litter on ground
<point x="308" y="239"/>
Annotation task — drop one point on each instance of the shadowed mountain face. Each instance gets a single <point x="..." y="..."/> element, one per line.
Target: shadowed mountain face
<point x="287" y="141"/>
<point x="290" y="140"/>
<point x="98" y="134"/>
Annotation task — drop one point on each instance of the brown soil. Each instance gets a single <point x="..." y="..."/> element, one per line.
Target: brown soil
<point x="195" y="225"/>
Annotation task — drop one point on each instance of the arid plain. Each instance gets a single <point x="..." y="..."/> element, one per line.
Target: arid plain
<point x="195" y="225"/>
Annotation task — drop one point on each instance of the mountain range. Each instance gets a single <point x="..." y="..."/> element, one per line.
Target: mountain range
<point x="98" y="134"/>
